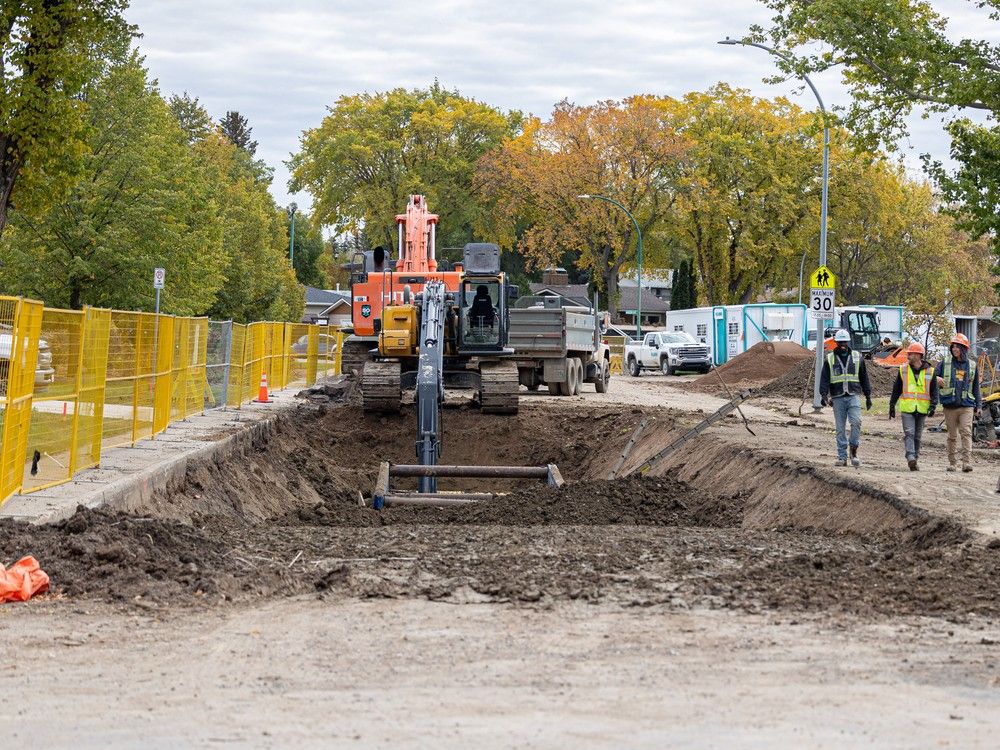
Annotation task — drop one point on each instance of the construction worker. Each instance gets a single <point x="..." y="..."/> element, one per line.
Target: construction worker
<point x="915" y="390"/>
<point x="843" y="381"/>
<point x="958" y="387"/>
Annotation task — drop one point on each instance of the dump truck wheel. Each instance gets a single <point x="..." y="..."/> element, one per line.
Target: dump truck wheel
<point x="604" y="378"/>
<point x="578" y="376"/>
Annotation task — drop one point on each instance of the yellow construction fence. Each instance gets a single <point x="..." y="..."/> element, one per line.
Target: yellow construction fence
<point x="74" y="382"/>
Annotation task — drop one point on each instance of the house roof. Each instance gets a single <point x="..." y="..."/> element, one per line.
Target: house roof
<point x="343" y="301"/>
<point x="574" y="292"/>
<point x="316" y="296"/>
<point x="650" y="302"/>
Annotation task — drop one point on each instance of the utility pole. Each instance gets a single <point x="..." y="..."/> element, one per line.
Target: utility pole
<point x="824" y="202"/>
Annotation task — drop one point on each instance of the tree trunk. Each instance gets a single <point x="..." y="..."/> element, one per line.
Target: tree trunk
<point x="75" y="297"/>
<point x="610" y="278"/>
<point x="9" y="168"/>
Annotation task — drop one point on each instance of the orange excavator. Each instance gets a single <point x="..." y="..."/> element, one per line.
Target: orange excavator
<point x="422" y="327"/>
<point x="378" y="280"/>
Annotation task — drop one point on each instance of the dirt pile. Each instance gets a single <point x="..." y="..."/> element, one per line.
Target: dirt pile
<point x="797" y="381"/>
<point x="759" y="364"/>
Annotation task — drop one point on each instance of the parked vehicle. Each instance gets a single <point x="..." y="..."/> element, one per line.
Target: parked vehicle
<point x="558" y="346"/>
<point x="44" y="373"/>
<point x="669" y="352"/>
<point x="325" y="345"/>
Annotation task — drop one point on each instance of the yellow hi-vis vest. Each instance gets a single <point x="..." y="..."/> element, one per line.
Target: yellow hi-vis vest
<point x="916" y="395"/>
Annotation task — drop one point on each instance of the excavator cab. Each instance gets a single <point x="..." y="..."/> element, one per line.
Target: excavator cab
<point x="482" y="298"/>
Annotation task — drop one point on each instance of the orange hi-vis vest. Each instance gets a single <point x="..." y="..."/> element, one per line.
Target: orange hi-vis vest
<point x="916" y="395"/>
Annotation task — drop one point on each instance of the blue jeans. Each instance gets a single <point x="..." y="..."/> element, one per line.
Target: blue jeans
<point x="847" y="408"/>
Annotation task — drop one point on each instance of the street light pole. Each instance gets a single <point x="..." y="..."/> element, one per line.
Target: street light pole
<point x="824" y="201"/>
<point x="638" y="259"/>
<point x="291" y="234"/>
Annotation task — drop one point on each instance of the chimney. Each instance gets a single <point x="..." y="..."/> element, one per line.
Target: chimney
<point x="555" y="277"/>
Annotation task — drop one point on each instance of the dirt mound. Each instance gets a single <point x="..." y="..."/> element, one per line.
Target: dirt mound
<point x="799" y="378"/>
<point x="760" y="363"/>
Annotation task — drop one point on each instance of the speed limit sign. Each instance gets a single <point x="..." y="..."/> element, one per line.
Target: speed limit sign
<point x="821" y="304"/>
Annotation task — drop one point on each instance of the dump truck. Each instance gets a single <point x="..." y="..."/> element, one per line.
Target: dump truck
<point x="558" y="346"/>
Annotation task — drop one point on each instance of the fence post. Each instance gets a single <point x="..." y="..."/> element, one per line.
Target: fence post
<point x="339" y="359"/>
<point x="228" y="348"/>
<point x="74" y="435"/>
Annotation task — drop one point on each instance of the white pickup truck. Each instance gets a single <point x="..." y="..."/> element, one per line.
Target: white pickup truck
<point x="667" y="352"/>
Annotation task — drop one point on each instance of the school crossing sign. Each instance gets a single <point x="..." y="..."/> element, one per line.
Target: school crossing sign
<point x="822" y="294"/>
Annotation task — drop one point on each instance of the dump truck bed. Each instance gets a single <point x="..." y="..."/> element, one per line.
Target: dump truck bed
<point x="551" y="332"/>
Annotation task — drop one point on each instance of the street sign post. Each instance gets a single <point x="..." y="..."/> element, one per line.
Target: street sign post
<point x="159" y="278"/>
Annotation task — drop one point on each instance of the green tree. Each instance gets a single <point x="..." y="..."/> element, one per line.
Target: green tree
<point x="49" y="51"/>
<point x="259" y="283"/>
<point x="141" y="201"/>
<point x="373" y="150"/>
<point x="236" y="128"/>
<point x="309" y="250"/>
<point x="193" y="118"/>
<point x="900" y="55"/>
<point x="690" y="287"/>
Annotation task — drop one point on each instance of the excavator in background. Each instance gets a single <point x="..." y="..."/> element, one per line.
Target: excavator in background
<point x="434" y="327"/>
<point x="459" y="315"/>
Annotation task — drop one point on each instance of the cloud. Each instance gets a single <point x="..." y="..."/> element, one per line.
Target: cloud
<point x="282" y="64"/>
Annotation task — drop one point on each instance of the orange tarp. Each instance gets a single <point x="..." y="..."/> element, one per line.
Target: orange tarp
<point x="22" y="580"/>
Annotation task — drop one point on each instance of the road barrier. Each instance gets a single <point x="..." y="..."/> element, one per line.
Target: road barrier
<point x="616" y="350"/>
<point x="76" y="382"/>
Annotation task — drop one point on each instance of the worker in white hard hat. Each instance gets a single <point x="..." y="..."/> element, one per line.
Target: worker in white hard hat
<point x="843" y="381"/>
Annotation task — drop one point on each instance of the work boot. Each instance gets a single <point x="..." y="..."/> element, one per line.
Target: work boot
<point x="912" y="463"/>
<point x="840" y="462"/>
<point x="952" y="467"/>
<point x="966" y="468"/>
<point x="854" y="456"/>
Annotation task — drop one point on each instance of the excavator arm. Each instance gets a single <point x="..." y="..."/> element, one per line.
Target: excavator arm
<point x="430" y="379"/>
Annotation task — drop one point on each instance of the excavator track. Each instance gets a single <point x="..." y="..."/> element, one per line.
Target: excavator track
<point x="381" y="390"/>
<point x="354" y="356"/>
<point x="498" y="389"/>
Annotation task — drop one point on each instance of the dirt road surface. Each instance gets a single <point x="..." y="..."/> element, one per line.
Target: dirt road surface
<point x="745" y="593"/>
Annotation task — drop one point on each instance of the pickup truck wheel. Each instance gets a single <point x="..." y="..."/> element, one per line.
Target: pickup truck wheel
<point x="604" y="379"/>
<point x="665" y="367"/>
<point x="633" y="367"/>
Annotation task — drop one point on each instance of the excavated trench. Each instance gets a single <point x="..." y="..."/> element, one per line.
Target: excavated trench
<point x="716" y="524"/>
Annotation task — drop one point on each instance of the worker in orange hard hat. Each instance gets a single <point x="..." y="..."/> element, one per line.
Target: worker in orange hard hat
<point x="915" y="391"/>
<point x="958" y="386"/>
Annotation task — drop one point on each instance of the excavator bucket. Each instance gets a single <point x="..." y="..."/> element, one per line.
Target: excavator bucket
<point x="384" y="495"/>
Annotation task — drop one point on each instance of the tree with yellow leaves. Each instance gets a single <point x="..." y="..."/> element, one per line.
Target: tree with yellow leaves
<point x="628" y="151"/>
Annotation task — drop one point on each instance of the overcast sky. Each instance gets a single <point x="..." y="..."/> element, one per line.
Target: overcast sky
<point x="281" y="64"/>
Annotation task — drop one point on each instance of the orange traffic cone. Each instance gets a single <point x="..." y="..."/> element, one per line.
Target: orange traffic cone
<point x="262" y="391"/>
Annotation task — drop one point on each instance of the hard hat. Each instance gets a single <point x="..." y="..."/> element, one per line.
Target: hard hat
<point x="842" y="335"/>
<point x="916" y="348"/>
<point x="960" y="338"/>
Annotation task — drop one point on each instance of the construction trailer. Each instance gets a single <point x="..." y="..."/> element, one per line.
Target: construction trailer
<point x="729" y="330"/>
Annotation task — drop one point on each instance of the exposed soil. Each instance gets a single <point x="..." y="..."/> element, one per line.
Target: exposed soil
<point x="285" y="518"/>
<point x="798" y="381"/>
<point x="761" y="363"/>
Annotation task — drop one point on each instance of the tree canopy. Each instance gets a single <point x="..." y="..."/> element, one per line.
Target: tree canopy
<point x="628" y="151"/>
<point x="373" y="150"/>
<point x="895" y="57"/>
<point x="49" y="51"/>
